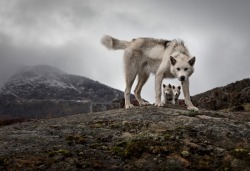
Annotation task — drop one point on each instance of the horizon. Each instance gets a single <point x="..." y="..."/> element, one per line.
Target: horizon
<point x="24" y="68"/>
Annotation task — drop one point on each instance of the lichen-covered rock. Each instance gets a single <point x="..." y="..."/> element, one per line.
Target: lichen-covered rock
<point x="232" y="97"/>
<point x="141" y="138"/>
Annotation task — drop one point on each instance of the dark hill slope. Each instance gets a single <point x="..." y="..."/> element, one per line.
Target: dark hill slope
<point x="234" y="96"/>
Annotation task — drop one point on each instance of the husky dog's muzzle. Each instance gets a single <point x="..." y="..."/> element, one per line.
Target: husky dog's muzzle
<point x="182" y="78"/>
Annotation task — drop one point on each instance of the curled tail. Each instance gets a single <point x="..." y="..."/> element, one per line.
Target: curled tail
<point x="113" y="43"/>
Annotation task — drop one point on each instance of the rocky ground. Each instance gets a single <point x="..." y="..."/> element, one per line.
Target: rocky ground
<point x="142" y="138"/>
<point x="232" y="97"/>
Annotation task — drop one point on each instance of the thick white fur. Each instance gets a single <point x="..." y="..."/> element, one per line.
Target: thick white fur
<point x="112" y="43"/>
<point x="155" y="52"/>
<point x="166" y="59"/>
<point x="107" y="42"/>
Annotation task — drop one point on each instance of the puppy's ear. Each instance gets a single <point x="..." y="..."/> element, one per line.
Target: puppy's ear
<point x="164" y="85"/>
<point x="169" y="85"/>
<point x="179" y="87"/>
<point x="172" y="60"/>
<point x="192" y="61"/>
<point x="173" y="87"/>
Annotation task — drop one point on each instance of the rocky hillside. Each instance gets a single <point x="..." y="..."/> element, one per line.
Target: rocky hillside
<point x="142" y="138"/>
<point x="232" y="97"/>
<point x="44" y="91"/>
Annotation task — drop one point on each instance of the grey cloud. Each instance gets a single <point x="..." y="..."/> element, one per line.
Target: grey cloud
<point x="32" y="15"/>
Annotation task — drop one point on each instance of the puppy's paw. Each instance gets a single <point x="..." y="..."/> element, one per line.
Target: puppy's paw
<point x="129" y="106"/>
<point x="193" y="108"/>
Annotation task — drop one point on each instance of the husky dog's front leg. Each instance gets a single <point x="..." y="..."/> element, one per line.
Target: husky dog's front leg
<point x="160" y="73"/>
<point x="158" y="80"/>
<point x="185" y="88"/>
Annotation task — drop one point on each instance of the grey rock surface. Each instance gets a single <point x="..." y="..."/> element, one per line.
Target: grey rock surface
<point x="142" y="138"/>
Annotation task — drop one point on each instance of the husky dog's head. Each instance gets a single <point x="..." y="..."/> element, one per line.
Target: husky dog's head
<point x="182" y="67"/>
<point x="181" y="63"/>
<point x="176" y="92"/>
<point x="168" y="92"/>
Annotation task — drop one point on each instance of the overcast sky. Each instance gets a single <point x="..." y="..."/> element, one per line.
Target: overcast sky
<point x="66" y="34"/>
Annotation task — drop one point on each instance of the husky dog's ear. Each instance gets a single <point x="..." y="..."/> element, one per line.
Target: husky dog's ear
<point x="173" y="87"/>
<point x="172" y="60"/>
<point x="192" y="61"/>
<point x="169" y="85"/>
<point x="164" y="85"/>
<point x="179" y="87"/>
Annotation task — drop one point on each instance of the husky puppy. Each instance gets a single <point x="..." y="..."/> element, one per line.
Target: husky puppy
<point x="164" y="58"/>
<point x="167" y="93"/>
<point x="176" y="94"/>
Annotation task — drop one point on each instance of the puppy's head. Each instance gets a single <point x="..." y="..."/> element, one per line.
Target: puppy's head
<point x="176" y="92"/>
<point x="182" y="67"/>
<point x="168" y="92"/>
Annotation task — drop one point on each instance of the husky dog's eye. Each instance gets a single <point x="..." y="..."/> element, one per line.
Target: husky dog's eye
<point x="185" y="69"/>
<point x="178" y="69"/>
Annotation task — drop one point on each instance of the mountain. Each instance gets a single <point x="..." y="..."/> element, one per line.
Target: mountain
<point x="232" y="97"/>
<point x="41" y="90"/>
<point x="48" y="83"/>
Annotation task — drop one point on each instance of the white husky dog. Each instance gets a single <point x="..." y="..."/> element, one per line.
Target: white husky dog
<point x="166" y="59"/>
<point x="171" y="94"/>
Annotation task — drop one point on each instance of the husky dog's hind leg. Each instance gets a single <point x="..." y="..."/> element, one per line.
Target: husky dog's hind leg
<point x="142" y="79"/>
<point x="130" y="75"/>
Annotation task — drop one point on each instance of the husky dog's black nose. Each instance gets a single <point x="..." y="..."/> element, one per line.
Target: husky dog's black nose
<point x="182" y="78"/>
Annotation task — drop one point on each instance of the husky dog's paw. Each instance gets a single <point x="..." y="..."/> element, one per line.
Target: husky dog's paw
<point x="129" y="106"/>
<point x="193" y="108"/>
<point x="159" y="104"/>
<point x="144" y="104"/>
